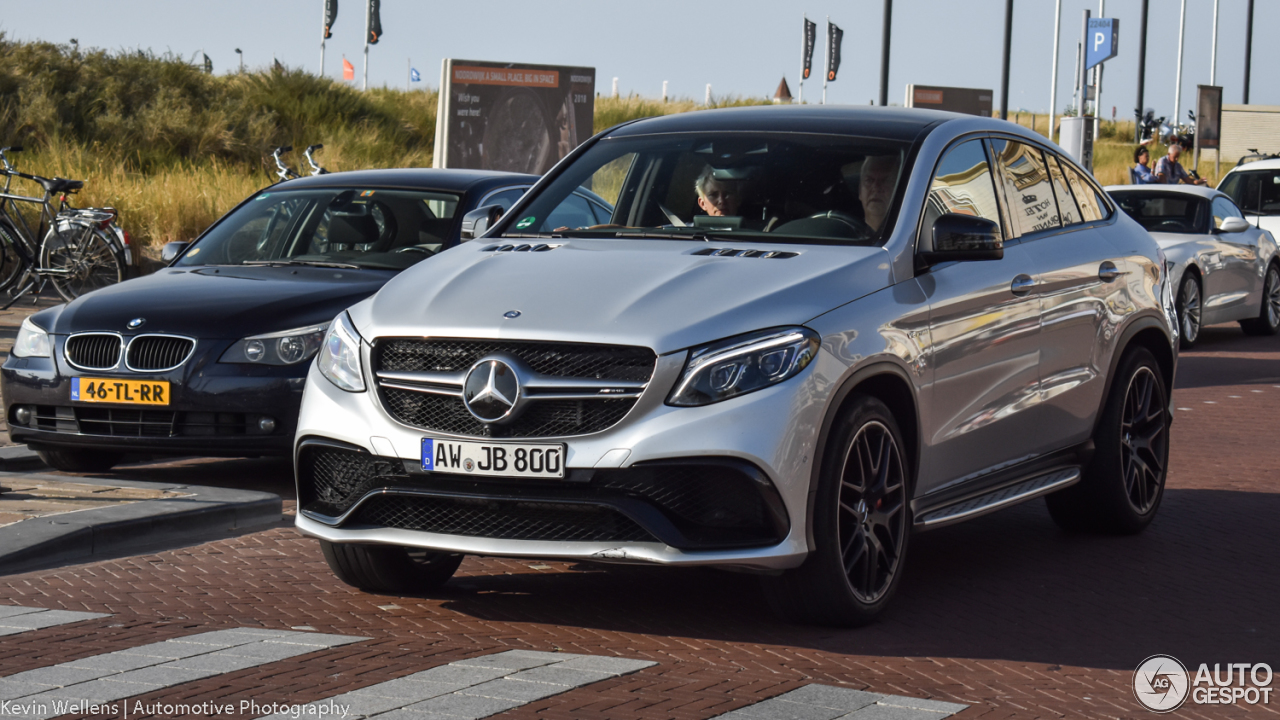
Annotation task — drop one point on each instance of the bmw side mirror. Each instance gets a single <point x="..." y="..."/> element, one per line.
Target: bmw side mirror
<point x="964" y="237"/>
<point x="1234" y="225"/>
<point x="171" y="251"/>
<point x="478" y="221"/>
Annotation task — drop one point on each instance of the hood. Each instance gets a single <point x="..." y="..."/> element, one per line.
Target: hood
<point x="655" y="293"/>
<point x="222" y="302"/>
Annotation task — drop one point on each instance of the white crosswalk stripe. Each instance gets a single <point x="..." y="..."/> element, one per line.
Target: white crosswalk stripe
<point x="826" y="702"/>
<point x="104" y="679"/>
<point x="475" y="688"/>
<point x="15" y="619"/>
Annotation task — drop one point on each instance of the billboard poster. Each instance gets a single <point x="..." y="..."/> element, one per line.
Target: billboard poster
<point x="1208" y="116"/>
<point x="970" y="101"/>
<point x="511" y="116"/>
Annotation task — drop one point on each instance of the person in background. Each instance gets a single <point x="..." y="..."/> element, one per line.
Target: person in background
<point x="1140" y="173"/>
<point x="1170" y="172"/>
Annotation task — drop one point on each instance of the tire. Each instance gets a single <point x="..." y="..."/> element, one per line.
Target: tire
<point x="11" y="263"/>
<point x="1190" y="308"/>
<point x="89" y="256"/>
<point x="389" y="569"/>
<point x="1268" y="320"/>
<point x="1123" y="484"/>
<point x="80" y="460"/>
<point x="861" y="525"/>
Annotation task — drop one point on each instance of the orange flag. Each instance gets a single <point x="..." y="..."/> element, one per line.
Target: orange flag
<point x="348" y="70"/>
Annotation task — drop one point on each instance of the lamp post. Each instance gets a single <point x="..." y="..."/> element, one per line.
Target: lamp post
<point x="241" y="56"/>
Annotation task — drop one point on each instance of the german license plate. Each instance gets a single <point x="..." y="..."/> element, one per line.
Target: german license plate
<point x="127" y="392"/>
<point x="542" y="460"/>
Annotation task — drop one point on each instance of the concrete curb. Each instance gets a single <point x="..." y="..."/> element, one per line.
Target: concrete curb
<point x="147" y="524"/>
<point x="16" y="458"/>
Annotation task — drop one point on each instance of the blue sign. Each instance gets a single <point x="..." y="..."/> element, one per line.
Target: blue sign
<point x="1102" y="42"/>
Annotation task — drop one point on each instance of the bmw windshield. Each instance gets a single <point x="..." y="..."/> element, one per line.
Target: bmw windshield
<point x="768" y="187"/>
<point x="344" y="227"/>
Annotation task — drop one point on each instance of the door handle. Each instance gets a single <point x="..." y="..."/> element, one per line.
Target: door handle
<point x="1022" y="285"/>
<point x="1108" y="271"/>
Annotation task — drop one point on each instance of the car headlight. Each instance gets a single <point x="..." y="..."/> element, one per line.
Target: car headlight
<point x="287" y="347"/>
<point x="339" y="359"/>
<point x="31" y="341"/>
<point x="743" y="364"/>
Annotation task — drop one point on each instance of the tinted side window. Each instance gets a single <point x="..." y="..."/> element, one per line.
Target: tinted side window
<point x="962" y="185"/>
<point x="1027" y="190"/>
<point x="1223" y="209"/>
<point x="1067" y="208"/>
<point x="506" y="198"/>
<point x="1092" y="207"/>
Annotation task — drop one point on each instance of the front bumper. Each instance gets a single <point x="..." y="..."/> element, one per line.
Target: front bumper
<point x="215" y="408"/>
<point x="771" y="431"/>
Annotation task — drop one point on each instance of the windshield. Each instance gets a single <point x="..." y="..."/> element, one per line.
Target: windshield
<point x="1255" y="191"/>
<point x="1165" y="212"/>
<point x="353" y="227"/>
<point x="767" y="187"/>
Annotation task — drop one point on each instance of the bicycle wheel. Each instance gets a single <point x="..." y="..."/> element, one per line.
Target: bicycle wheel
<point x="11" y="262"/>
<point x="82" y="259"/>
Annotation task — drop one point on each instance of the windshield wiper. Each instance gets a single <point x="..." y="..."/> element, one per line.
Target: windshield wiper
<point x="309" y="263"/>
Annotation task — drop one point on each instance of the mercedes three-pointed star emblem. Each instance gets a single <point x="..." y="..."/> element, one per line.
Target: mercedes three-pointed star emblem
<point x="491" y="390"/>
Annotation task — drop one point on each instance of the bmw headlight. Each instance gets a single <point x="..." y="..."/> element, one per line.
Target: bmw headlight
<point x="31" y="341"/>
<point x="339" y="359"/>
<point x="743" y="364"/>
<point x="287" y="347"/>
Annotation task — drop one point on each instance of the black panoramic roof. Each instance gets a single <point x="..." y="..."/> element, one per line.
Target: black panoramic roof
<point x="881" y="122"/>
<point x="425" y="178"/>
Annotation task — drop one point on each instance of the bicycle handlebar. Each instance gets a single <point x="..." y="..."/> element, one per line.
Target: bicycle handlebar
<point x="316" y="169"/>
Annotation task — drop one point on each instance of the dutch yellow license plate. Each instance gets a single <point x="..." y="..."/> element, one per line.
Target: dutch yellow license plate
<point x="128" y="392"/>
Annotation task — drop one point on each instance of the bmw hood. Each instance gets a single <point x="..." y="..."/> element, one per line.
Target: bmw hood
<point x="662" y="294"/>
<point x="221" y="302"/>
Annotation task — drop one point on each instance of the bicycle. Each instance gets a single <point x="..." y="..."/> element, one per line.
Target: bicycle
<point x="81" y="249"/>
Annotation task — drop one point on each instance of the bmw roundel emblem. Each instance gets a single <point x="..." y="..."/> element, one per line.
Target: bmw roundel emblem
<point x="136" y="323"/>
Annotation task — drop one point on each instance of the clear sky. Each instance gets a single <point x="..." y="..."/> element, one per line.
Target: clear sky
<point x="742" y="47"/>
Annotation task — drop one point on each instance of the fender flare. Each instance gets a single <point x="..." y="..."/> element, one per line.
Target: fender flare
<point x="851" y="381"/>
<point x="1135" y="326"/>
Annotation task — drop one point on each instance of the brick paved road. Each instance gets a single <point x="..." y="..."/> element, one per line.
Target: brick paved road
<point x="1005" y="614"/>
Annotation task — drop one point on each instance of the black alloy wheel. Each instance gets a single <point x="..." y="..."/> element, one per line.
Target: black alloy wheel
<point x="1268" y="320"/>
<point x="872" y="510"/>
<point x="1144" y="430"/>
<point x="1189" y="310"/>
<point x="861" y="524"/>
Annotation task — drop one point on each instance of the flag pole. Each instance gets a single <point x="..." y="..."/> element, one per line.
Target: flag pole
<point x="804" y="45"/>
<point x="408" y="70"/>
<point x="323" y="16"/>
<point x="827" y="63"/>
<point x="364" y="85"/>
<point x="1053" y="80"/>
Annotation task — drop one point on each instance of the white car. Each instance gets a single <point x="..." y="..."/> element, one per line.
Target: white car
<point x="1223" y="267"/>
<point x="1255" y="188"/>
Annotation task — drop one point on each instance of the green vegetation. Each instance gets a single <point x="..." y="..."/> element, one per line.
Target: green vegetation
<point x="173" y="148"/>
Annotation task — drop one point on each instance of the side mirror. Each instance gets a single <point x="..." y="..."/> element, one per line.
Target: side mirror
<point x="1234" y="225"/>
<point x="171" y="251"/>
<point x="478" y="221"/>
<point x="964" y="237"/>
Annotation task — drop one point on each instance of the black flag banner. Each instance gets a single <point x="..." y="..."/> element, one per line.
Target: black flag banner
<point x="834" y="36"/>
<point x="330" y="15"/>
<point x="375" y="21"/>
<point x="208" y="64"/>
<point x="810" y="35"/>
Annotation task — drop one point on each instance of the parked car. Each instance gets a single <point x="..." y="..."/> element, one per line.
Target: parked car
<point x="1224" y="269"/>
<point x="1254" y="186"/>
<point x="804" y="334"/>
<point x="208" y="356"/>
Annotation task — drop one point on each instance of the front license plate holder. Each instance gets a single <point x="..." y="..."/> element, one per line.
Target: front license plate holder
<point x="494" y="459"/>
<point x="119" y="391"/>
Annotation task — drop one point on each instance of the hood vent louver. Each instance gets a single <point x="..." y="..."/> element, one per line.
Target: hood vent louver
<point x="733" y="252"/>
<point x="540" y="247"/>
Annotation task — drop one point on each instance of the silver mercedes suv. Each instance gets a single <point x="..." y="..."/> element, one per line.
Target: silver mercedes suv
<point x="800" y="335"/>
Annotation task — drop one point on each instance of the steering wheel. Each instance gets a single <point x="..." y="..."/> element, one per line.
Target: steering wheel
<point x="859" y="226"/>
<point x="415" y="249"/>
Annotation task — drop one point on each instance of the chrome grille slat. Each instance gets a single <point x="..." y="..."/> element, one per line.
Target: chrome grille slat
<point x="158" y="353"/>
<point x="93" y="351"/>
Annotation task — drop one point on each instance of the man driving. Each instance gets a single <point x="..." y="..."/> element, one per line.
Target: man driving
<point x="876" y="179"/>
<point x="716" y="197"/>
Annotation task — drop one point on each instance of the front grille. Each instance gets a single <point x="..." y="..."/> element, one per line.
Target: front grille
<point x="93" y="351"/>
<point x="501" y="519"/>
<point x="118" y="422"/>
<point x="541" y="418"/>
<point x="572" y="360"/>
<point x="333" y="479"/>
<point x="158" y="352"/>
<point x="548" y="418"/>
